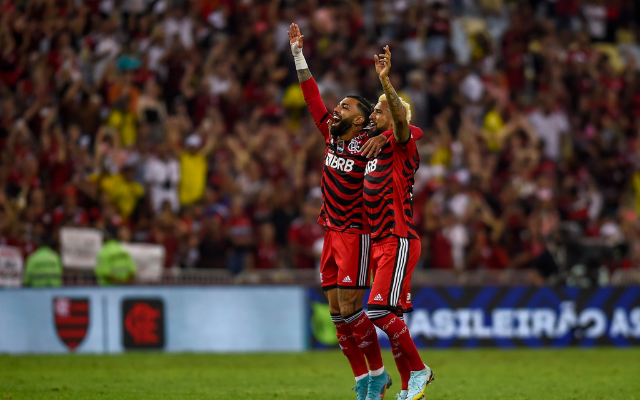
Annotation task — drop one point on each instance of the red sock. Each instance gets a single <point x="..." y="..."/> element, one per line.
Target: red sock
<point x="399" y="336"/>
<point x="403" y="366"/>
<point x="367" y="338"/>
<point x="349" y="346"/>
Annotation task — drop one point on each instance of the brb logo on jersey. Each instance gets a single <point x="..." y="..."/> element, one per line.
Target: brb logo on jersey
<point x="371" y="166"/>
<point x="338" y="163"/>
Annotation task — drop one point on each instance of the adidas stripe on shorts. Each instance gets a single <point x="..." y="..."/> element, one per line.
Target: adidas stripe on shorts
<point x="393" y="260"/>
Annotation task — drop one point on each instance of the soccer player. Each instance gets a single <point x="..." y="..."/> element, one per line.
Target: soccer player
<point x="395" y="247"/>
<point x="344" y="270"/>
<point x="381" y="121"/>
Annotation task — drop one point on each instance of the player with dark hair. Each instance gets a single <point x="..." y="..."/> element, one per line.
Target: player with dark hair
<point x="345" y="270"/>
<point x="395" y="247"/>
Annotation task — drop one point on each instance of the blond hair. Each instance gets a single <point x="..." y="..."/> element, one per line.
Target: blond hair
<point x="407" y="107"/>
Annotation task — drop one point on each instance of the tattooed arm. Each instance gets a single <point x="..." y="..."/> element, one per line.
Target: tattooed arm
<point x="397" y="109"/>
<point x="304" y="75"/>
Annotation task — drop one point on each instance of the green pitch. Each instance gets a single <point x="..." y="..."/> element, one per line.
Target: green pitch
<point x="477" y="374"/>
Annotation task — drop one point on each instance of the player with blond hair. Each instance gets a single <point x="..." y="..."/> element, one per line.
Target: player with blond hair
<point x="395" y="244"/>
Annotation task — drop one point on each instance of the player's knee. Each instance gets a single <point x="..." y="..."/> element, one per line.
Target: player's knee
<point x="332" y="297"/>
<point x="350" y="301"/>
<point x="354" y="316"/>
<point x="348" y="310"/>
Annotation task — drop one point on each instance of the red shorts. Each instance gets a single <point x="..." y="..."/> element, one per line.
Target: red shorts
<point x="345" y="260"/>
<point x="393" y="260"/>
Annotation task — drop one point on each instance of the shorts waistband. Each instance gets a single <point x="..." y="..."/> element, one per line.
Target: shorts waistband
<point x="383" y="238"/>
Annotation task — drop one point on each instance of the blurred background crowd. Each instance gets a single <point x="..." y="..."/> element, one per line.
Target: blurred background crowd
<point x="182" y="123"/>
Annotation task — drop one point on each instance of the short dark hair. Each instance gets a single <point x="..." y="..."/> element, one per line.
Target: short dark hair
<point x="365" y="107"/>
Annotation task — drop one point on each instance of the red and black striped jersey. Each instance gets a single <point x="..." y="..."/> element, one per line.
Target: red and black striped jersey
<point x="343" y="171"/>
<point x="388" y="188"/>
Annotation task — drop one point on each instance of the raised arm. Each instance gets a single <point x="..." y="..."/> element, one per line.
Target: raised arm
<point x="401" y="130"/>
<point x="309" y="87"/>
<point x="295" y="40"/>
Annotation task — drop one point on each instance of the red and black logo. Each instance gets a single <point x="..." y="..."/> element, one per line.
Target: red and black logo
<point x="143" y="324"/>
<point x="71" y="317"/>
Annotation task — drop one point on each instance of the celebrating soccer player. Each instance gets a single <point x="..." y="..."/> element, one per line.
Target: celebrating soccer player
<point x="395" y="249"/>
<point x="344" y="270"/>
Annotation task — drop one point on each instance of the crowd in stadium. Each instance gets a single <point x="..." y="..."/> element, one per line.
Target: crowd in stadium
<point x="182" y="123"/>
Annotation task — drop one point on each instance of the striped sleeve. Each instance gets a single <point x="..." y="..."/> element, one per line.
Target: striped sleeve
<point x="318" y="110"/>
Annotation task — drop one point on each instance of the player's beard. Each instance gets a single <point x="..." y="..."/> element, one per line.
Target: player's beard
<point x="375" y="130"/>
<point x="342" y="127"/>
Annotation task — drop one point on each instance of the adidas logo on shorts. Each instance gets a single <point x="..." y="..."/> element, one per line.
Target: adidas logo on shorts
<point x="378" y="298"/>
<point x="346" y="280"/>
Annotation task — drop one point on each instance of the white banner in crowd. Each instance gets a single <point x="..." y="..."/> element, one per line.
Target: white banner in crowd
<point x="11" y="265"/>
<point x="149" y="259"/>
<point x="80" y="247"/>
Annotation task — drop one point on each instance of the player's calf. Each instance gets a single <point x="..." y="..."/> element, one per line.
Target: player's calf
<point x="399" y="335"/>
<point x="349" y="347"/>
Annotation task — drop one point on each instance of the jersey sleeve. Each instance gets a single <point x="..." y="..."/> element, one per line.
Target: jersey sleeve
<point x="409" y="147"/>
<point x="318" y="110"/>
<point x="415" y="132"/>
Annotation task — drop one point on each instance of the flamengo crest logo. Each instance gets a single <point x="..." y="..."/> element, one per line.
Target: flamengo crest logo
<point x="143" y="324"/>
<point x="354" y="146"/>
<point x="71" y="319"/>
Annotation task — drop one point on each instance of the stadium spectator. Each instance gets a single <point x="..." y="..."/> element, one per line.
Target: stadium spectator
<point x="193" y="169"/>
<point x="303" y="234"/>
<point x="240" y="236"/>
<point x="162" y="176"/>
<point x="115" y="265"/>
<point x="43" y="268"/>
<point x="266" y="248"/>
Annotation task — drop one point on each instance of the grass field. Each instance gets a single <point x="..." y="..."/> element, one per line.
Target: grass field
<point x="478" y="374"/>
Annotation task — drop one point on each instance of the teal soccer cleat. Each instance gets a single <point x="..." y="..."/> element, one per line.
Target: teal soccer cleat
<point x="361" y="388"/>
<point x="387" y="386"/>
<point x="378" y="386"/>
<point x="418" y="383"/>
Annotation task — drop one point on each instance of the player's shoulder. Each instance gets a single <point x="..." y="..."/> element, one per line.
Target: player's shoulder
<point x="411" y="141"/>
<point x="350" y="147"/>
<point x="416" y="132"/>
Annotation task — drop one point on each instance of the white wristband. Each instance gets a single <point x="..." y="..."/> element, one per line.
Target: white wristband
<point x="298" y="57"/>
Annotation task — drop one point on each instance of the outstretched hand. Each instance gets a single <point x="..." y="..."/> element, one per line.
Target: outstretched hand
<point x="295" y="36"/>
<point x="383" y="63"/>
